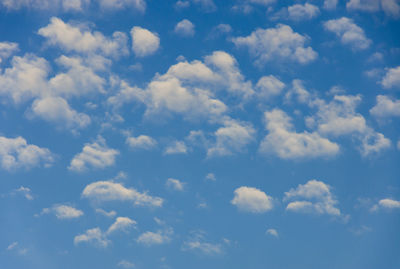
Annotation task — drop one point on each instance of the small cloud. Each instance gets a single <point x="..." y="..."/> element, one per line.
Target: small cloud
<point x="211" y="177"/>
<point x="184" y="28"/>
<point x="272" y="232"/>
<point x="175" y="184"/>
<point x="177" y="147"/>
<point x="126" y="264"/>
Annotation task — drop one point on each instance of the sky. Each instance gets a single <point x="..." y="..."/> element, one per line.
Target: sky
<point x="242" y="134"/>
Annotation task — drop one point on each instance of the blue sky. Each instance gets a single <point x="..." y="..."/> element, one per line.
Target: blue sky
<point x="199" y="133"/>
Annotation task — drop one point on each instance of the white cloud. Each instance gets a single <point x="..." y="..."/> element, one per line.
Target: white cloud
<point x="176" y="147"/>
<point x="66" y="5"/>
<point x="197" y="243"/>
<point x="272" y="232"/>
<point x="58" y="111"/>
<point x="139" y="5"/>
<point x="109" y="214"/>
<point x="184" y="28"/>
<point x="232" y="138"/>
<point x="269" y="86"/>
<point x="82" y="40"/>
<point x="206" y="5"/>
<point x="211" y="176"/>
<point x="102" y="191"/>
<point x="283" y="141"/>
<point x="12" y="246"/>
<point x="313" y="197"/>
<point x="121" y="224"/>
<point x="94" y="155"/>
<point x="299" y="92"/>
<point x="16" y="153"/>
<point x="386" y="204"/>
<point x="391" y="78"/>
<point x="279" y="43"/>
<point x="298" y="12"/>
<point x="349" y="33"/>
<point x="175" y="184"/>
<point x="141" y="142"/>
<point x="93" y="236"/>
<point x="374" y="143"/>
<point x="389" y="7"/>
<point x="144" y="42"/>
<point x="126" y="264"/>
<point x="155" y="238"/>
<point x="252" y="200"/>
<point x="385" y="107"/>
<point x="7" y="49"/>
<point x="63" y="212"/>
<point x="25" y="79"/>
<point x="25" y="191"/>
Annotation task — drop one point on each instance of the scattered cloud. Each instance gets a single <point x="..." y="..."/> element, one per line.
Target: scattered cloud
<point x="121" y="224"/>
<point x="93" y="236"/>
<point x="197" y="243"/>
<point x="252" y="200"/>
<point x="144" y="42"/>
<point x="392" y="78"/>
<point x="184" y="28"/>
<point x="386" y="203"/>
<point x="390" y="7"/>
<point x="155" y="238"/>
<point x="385" y="107"/>
<point x="63" y="211"/>
<point x="175" y="184"/>
<point x="176" y="147"/>
<point x="272" y="232"/>
<point x="141" y="142"/>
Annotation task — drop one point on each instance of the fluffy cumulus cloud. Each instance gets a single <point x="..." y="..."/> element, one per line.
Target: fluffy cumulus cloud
<point x="80" y="39"/>
<point x="392" y="78"/>
<point x="176" y="147"/>
<point x="387" y="204"/>
<point x="7" y="49"/>
<point x="93" y="236"/>
<point x="385" y="107"/>
<point x="184" y="28"/>
<point x="189" y="89"/>
<point x="141" y="142"/>
<point x="279" y="43"/>
<point x="94" y="155"/>
<point x="155" y="238"/>
<point x="285" y="142"/>
<point x="348" y="32"/>
<point x="298" y="12"/>
<point x="121" y="224"/>
<point x="252" y="200"/>
<point x="175" y="184"/>
<point x="16" y="153"/>
<point x="313" y="197"/>
<point x="232" y="137"/>
<point x="389" y="7"/>
<point x="103" y="191"/>
<point x="144" y="42"/>
<point x="63" y="212"/>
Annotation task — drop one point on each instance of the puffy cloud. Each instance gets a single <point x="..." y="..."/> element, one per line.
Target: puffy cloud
<point x="94" y="155"/>
<point x="121" y="224"/>
<point x="139" y="5"/>
<point x="184" y="28"/>
<point x="155" y="238"/>
<point x="299" y="92"/>
<point x="63" y="212"/>
<point x="374" y="143"/>
<point x="7" y="49"/>
<point x="144" y="42"/>
<point x="25" y="79"/>
<point x="110" y="214"/>
<point x="389" y="7"/>
<point x="198" y="243"/>
<point x="269" y="86"/>
<point x="279" y="43"/>
<point x="391" y="78"/>
<point x="175" y="184"/>
<point x="141" y="142"/>
<point x="93" y="236"/>
<point x="385" y="107"/>
<point x="272" y="232"/>
<point x="57" y="110"/>
<point x="313" y="197"/>
<point x="386" y="204"/>
<point x="349" y="33"/>
<point x="252" y="200"/>
<point x="288" y="144"/>
<point x="298" y="12"/>
<point x="233" y="137"/>
<point x="16" y="153"/>
<point x="176" y="147"/>
<point x="82" y="40"/>
<point x="103" y="191"/>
